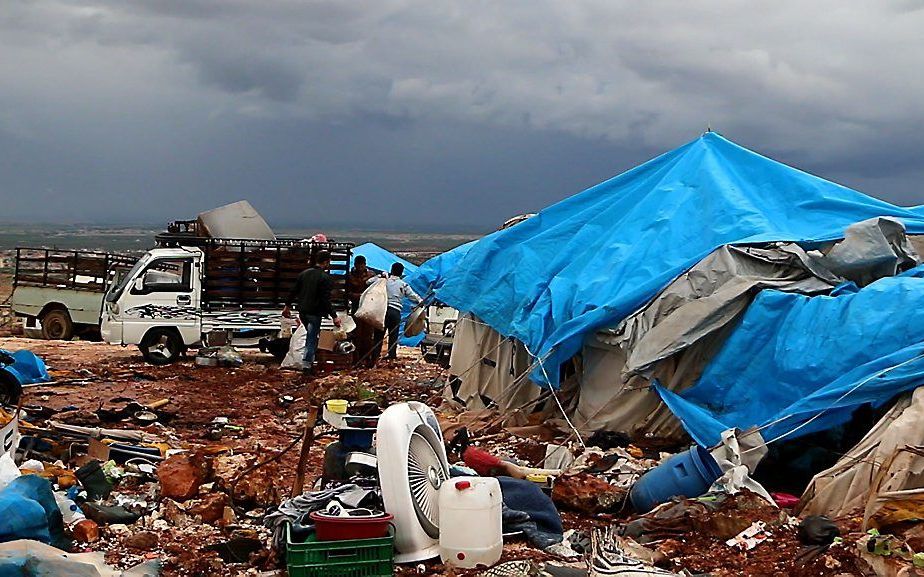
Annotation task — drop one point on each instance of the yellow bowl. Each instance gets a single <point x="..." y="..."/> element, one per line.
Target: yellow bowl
<point x="338" y="406"/>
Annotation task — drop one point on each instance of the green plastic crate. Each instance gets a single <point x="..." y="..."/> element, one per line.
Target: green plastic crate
<point x="349" y="558"/>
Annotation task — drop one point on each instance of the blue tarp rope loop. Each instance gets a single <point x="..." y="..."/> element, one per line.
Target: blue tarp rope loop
<point x="826" y="409"/>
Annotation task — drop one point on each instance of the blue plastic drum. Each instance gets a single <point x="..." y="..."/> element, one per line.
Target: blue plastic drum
<point x="687" y="474"/>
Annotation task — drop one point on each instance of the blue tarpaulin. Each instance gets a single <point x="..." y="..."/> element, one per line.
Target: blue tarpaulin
<point x="431" y="275"/>
<point x="592" y="259"/>
<point x="806" y="363"/>
<point x="28" y="367"/>
<point x="28" y="510"/>
<point x="380" y="259"/>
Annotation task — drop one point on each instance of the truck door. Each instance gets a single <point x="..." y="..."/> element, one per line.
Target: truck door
<point x="164" y="294"/>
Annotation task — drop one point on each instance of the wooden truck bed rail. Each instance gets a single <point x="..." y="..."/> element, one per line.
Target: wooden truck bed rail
<point x="69" y="269"/>
<point x="241" y="273"/>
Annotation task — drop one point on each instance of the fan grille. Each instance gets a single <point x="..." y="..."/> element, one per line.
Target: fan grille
<point x="425" y="474"/>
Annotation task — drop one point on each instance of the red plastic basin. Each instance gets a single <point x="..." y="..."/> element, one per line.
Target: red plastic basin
<point x="344" y="528"/>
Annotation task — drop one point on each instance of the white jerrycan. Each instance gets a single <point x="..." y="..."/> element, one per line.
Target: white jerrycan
<point x="470" y="522"/>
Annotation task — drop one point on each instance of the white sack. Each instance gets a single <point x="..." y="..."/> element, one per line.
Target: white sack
<point x="373" y="304"/>
<point x="295" y="358"/>
<point x="738" y="457"/>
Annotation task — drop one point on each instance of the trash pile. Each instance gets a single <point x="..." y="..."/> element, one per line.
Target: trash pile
<point x="176" y="488"/>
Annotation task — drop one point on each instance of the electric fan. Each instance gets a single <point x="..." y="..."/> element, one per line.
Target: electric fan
<point x="412" y="465"/>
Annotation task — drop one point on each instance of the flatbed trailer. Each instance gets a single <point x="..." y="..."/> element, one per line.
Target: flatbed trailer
<point x="60" y="292"/>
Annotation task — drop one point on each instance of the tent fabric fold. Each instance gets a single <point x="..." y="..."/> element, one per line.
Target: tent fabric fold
<point x="709" y="296"/>
<point x="593" y="259"/>
<point x="796" y="364"/>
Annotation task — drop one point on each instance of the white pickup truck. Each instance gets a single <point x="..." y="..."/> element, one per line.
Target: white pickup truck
<point x="59" y="293"/>
<point x="177" y="294"/>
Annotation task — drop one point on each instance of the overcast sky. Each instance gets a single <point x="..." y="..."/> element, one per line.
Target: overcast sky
<point x="399" y="113"/>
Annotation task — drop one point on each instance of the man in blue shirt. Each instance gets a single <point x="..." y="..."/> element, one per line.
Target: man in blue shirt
<point x="398" y="290"/>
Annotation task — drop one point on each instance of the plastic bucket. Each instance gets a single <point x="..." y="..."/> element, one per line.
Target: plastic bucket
<point x="687" y="474"/>
<point x="342" y="528"/>
<point x="338" y="406"/>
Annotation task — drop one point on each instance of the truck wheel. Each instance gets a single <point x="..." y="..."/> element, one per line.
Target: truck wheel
<point x="161" y="346"/>
<point x="57" y="325"/>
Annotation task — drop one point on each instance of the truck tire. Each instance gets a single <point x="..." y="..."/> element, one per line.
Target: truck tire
<point x="57" y="325"/>
<point x="161" y="346"/>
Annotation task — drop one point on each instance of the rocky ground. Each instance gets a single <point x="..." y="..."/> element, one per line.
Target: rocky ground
<point x="265" y="408"/>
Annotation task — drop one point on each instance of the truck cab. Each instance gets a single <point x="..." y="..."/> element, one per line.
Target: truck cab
<point x="440" y="329"/>
<point x="156" y="304"/>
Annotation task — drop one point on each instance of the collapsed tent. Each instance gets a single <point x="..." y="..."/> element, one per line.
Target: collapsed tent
<point x="796" y="364"/>
<point x="594" y="271"/>
<point x="591" y="260"/>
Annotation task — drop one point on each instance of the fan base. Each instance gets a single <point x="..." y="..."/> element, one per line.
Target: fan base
<point x="419" y="555"/>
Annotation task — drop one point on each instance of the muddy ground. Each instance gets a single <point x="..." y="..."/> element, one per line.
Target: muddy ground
<point x="90" y="376"/>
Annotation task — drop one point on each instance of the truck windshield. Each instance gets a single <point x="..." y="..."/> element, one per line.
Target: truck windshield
<point x="118" y="288"/>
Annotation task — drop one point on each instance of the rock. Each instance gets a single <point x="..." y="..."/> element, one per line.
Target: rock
<point x="210" y="508"/>
<point x="174" y="513"/>
<point x="181" y="475"/>
<point x="586" y="493"/>
<point x="160" y="525"/>
<point x="119" y="530"/>
<point x="257" y="488"/>
<point x="85" y="531"/>
<point x="228" y="517"/>
<point x="78" y="417"/>
<point x="144" y="541"/>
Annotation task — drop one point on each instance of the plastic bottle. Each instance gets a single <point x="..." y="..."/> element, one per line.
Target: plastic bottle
<point x="69" y="509"/>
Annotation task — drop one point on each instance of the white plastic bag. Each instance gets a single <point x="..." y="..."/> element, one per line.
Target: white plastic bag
<point x="373" y="304"/>
<point x="295" y="358"/>
<point x="8" y="470"/>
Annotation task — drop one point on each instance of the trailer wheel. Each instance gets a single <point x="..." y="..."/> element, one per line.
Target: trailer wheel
<point x="161" y="346"/>
<point x="57" y="325"/>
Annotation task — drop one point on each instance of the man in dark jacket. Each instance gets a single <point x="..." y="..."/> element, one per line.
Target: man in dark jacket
<point x="311" y="295"/>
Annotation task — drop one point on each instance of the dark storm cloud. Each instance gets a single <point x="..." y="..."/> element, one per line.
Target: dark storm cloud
<point x="420" y="111"/>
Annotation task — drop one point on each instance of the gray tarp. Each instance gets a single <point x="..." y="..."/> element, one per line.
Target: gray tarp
<point x="709" y="296"/>
<point x="871" y="250"/>
<point x="236" y="220"/>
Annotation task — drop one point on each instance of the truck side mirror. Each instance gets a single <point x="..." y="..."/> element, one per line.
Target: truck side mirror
<point x="139" y="284"/>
